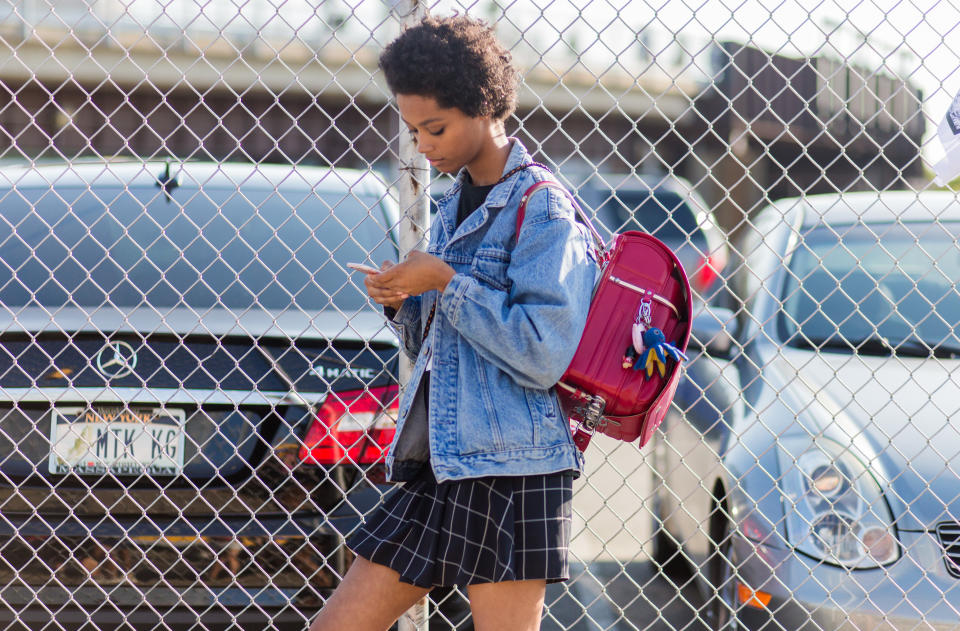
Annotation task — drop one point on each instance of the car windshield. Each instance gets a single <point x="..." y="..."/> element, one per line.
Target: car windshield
<point x="204" y="248"/>
<point x="875" y="289"/>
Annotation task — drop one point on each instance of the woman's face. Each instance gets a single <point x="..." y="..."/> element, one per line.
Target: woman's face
<point x="447" y="137"/>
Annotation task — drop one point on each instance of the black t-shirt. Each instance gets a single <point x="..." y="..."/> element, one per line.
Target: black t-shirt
<point x="471" y="198"/>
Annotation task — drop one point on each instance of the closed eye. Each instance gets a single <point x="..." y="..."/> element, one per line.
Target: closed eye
<point x="438" y="132"/>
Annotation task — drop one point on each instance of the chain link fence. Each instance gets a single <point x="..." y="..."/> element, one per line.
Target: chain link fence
<point x="195" y="393"/>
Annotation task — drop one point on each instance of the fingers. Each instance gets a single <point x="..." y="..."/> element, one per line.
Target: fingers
<point x="395" y="278"/>
<point x="389" y="300"/>
<point x="381" y="294"/>
<point x="386" y="275"/>
<point x="420" y="272"/>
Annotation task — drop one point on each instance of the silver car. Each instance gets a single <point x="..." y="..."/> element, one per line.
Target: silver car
<point x="811" y="476"/>
<point x="667" y="207"/>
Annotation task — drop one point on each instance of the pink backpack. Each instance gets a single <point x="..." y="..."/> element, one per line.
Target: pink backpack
<point x="628" y="363"/>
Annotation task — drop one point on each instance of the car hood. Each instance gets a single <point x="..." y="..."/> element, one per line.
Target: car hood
<point x="900" y="414"/>
<point x="259" y="323"/>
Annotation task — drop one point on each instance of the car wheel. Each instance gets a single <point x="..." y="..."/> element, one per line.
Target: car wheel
<point x="722" y="613"/>
<point x="667" y="553"/>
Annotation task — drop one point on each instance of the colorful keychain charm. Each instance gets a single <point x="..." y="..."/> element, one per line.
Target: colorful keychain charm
<point x="654" y="356"/>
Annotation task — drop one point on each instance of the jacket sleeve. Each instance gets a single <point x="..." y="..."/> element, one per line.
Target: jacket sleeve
<point x="532" y="331"/>
<point x="406" y="322"/>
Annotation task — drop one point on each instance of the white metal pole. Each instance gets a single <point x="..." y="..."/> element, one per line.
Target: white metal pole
<point x="414" y="181"/>
<point x="414" y="185"/>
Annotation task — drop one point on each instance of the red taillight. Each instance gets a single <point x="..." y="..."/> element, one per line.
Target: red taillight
<point x="354" y="427"/>
<point x="706" y="274"/>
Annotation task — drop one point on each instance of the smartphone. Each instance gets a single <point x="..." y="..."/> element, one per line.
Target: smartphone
<point x="366" y="269"/>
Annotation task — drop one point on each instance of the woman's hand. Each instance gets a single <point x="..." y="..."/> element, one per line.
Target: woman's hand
<point x="381" y="296"/>
<point x="419" y="273"/>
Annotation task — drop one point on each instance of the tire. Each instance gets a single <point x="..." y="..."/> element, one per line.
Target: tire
<point x="722" y="609"/>
<point x="667" y="554"/>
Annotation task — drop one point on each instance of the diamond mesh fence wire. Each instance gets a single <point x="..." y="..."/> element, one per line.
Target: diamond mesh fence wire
<point x="196" y="394"/>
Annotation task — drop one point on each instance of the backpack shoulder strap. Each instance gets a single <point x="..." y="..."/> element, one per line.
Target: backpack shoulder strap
<point x="536" y="186"/>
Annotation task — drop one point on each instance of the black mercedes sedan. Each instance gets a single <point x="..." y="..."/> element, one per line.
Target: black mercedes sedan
<point x="195" y="392"/>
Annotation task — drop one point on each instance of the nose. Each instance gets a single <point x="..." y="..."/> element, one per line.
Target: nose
<point x="422" y="145"/>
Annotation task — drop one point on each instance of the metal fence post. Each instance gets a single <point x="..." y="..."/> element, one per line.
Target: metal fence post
<point x="414" y="185"/>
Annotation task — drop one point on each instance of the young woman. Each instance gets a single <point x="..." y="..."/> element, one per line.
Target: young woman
<point x="483" y="452"/>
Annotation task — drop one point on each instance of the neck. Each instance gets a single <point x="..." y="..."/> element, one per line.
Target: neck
<point x="489" y="163"/>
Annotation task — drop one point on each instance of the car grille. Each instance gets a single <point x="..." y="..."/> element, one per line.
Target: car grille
<point x="949" y="535"/>
<point x="180" y="562"/>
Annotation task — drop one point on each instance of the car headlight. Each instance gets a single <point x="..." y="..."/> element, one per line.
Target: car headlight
<point x="835" y="509"/>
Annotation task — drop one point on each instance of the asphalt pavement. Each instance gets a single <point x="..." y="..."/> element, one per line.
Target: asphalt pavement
<point x="614" y="586"/>
<point x="616" y="597"/>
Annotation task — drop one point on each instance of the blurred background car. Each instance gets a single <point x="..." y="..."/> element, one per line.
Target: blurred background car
<point x="192" y="389"/>
<point x="662" y="205"/>
<point x="668" y="208"/>
<point x="813" y="476"/>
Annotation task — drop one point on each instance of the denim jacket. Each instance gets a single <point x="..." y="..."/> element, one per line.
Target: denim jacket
<point x="505" y="330"/>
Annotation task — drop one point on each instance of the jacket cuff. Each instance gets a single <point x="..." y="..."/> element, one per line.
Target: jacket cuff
<point x="404" y="316"/>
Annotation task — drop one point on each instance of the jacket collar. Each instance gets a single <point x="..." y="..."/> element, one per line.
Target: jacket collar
<point x="497" y="198"/>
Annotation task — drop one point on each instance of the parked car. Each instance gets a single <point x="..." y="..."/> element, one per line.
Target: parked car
<point x="192" y="386"/>
<point x="664" y="206"/>
<point x="811" y="475"/>
<point x="668" y="208"/>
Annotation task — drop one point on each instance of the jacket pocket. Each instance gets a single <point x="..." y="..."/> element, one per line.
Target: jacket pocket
<point x="543" y="408"/>
<point x="478" y="430"/>
<point x="490" y="267"/>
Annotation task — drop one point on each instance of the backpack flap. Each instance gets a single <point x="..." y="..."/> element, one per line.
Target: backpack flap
<point x="643" y="296"/>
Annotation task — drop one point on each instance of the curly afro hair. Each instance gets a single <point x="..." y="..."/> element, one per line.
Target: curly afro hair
<point x="457" y="61"/>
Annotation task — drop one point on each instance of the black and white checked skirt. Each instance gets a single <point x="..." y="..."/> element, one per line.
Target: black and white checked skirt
<point x="462" y="532"/>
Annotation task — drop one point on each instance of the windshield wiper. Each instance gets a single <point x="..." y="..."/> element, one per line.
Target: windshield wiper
<point x="914" y="346"/>
<point x="874" y="345"/>
<point x="946" y="351"/>
<point x="870" y="345"/>
<point x="879" y="345"/>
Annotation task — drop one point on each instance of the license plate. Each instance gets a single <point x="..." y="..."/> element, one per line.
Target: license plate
<point x="122" y="441"/>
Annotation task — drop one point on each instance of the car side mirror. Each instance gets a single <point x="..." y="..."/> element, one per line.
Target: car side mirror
<point x="713" y="332"/>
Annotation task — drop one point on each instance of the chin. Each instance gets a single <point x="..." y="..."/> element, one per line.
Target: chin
<point x="447" y="166"/>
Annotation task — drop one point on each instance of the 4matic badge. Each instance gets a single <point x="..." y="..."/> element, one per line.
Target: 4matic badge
<point x="330" y="373"/>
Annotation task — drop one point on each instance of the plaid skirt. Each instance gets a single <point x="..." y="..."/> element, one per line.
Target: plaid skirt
<point x="462" y="532"/>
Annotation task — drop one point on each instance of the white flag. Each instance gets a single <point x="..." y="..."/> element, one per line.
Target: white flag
<point x="949" y="133"/>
